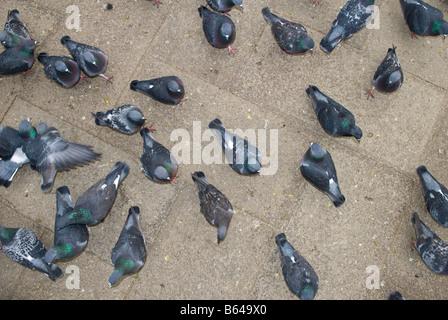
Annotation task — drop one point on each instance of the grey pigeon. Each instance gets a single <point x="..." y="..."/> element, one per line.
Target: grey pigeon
<point x="292" y="37"/>
<point x="423" y="19"/>
<point x="23" y="246"/>
<point x="10" y="141"/>
<point x="63" y="70"/>
<point x="19" y="58"/>
<point x="15" y="26"/>
<point x="95" y="203"/>
<point x="168" y="90"/>
<point x="158" y="164"/>
<point x="215" y="206"/>
<point x="318" y="168"/>
<point x="48" y="152"/>
<point x="219" y="29"/>
<point x="224" y="5"/>
<point x="126" y="118"/>
<point x="69" y="241"/>
<point x="241" y="155"/>
<point x="435" y="195"/>
<point x="129" y="253"/>
<point x="432" y="249"/>
<point x="396" y="295"/>
<point x="388" y="76"/>
<point x="354" y="15"/>
<point x="334" y="118"/>
<point x="299" y="275"/>
<point x="91" y="60"/>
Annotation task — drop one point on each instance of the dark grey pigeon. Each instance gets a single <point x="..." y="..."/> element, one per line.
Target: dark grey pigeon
<point x="48" y="152"/>
<point x="126" y="118"/>
<point x="432" y="249"/>
<point x="388" y="76"/>
<point x="334" y="118"/>
<point x="215" y="206"/>
<point x="19" y="58"/>
<point x="95" y="203"/>
<point x="15" y="26"/>
<point x="435" y="195"/>
<point x="168" y="90"/>
<point x="354" y="15"/>
<point x="219" y="29"/>
<point x="63" y="70"/>
<point x="292" y="37"/>
<point x="158" y="164"/>
<point x="423" y="19"/>
<point x="224" y="5"/>
<point x="129" y="253"/>
<point x="10" y="141"/>
<point x="396" y="295"/>
<point x="299" y="275"/>
<point x="91" y="60"/>
<point x="23" y="246"/>
<point x="69" y="241"/>
<point x="241" y="155"/>
<point x="318" y="168"/>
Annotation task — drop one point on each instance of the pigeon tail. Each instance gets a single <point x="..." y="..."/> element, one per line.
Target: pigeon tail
<point x="269" y="16"/>
<point x="68" y="42"/>
<point x="332" y="39"/>
<point x="338" y="199"/>
<point x="200" y="180"/>
<point x="99" y="118"/>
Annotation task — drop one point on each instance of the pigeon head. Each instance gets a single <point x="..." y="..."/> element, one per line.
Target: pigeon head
<point x="440" y="27"/>
<point x="27" y="48"/>
<point x="316" y="151"/>
<point x="95" y="62"/>
<point x="6" y="234"/>
<point x="175" y="87"/>
<point x="393" y="81"/>
<point x="222" y="232"/>
<point x="227" y="33"/>
<point x="123" y="266"/>
<point x="305" y="44"/>
<point x="252" y="165"/>
<point x="9" y="40"/>
<point x="166" y="172"/>
<point x="26" y="130"/>
<point x="351" y="129"/>
<point x="136" y="118"/>
<point x="307" y="293"/>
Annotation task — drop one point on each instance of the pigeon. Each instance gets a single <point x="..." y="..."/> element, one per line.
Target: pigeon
<point x="126" y="119"/>
<point x="129" y="253"/>
<point x="95" y="203"/>
<point x="158" y="164"/>
<point x="168" y="90"/>
<point x="354" y="15"/>
<point x="334" y="118"/>
<point x="241" y="155"/>
<point x="224" y="5"/>
<point x="15" y="26"/>
<point x="432" y="249"/>
<point x="423" y="19"/>
<point x="388" y="76"/>
<point x="299" y="275"/>
<point x="318" y="168"/>
<point x="9" y="40"/>
<point x="23" y="246"/>
<point x="19" y="58"/>
<point x="71" y="240"/>
<point x="63" y="70"/>
<point x="10" y="141"/>
<point x="292" y="37"/>
<point x="91" y="60"/>
<point x="48" y="152"/>
<point x="215" y="206"/>
<point x="435" y="195"/>
<point x="396" y="295"/>
<point x="219" y="29"/>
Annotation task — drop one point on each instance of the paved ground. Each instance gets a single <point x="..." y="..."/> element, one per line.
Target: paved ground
<point x="367" y="238"/>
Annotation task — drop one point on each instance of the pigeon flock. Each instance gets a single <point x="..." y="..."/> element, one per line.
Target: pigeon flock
<point x="47" y="152"/>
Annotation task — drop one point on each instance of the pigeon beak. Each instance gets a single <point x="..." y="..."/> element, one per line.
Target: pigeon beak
<point x="241" y="6"/>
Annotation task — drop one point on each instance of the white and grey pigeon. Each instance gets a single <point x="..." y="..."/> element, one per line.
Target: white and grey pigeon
<point x="126" y="118"/>
<point x="317" y="167"/>
<point x="432" y="249"/>
<point x="129" y="253"/>
<point x="299" y="275"/>
<point x="25" y="248"/>
<point x="435" y="195"/>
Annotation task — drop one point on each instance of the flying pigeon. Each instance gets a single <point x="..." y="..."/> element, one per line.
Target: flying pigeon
<point x="334" y="118"/>
<point x="15" y="26"/>
<point x="354" y="15"/>
<point x="91" y="60"/>
<point x="388" y="76"/>
<point x="48" y="152"/>
<point x="126" y="119"/>
<point x="292" y="37"/>
<point x="432" y="249"/>
<point x="19" y="58"/>
<point x="23" y="246"/>
<point x="215" y="206"/>
<point x="299" y="275"/>
<point x="129" y="253"/>
<point x="95" y="203"/>
<point x="224" y="5"/>
<point x="423" y="19"/>
<point x="241" y="155"/>
<point x="71" y="240"/>
<point x="64" y="70"/>
<point x="219" y="29"/>
<point x="158" y="164"/>
<point x="318" y="168"/>
<point x="435" y="195"/>
<point x="168" y="90"/>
